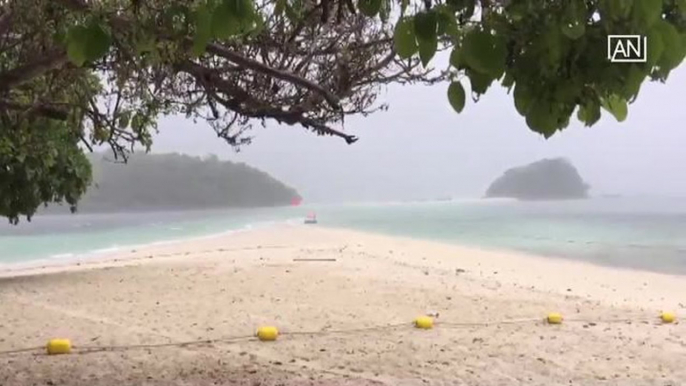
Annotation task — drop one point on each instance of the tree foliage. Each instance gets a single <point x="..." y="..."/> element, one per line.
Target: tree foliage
<point x="178" y="182"/>
<point x="547" y="179"/>
<point x="104" y="71"/>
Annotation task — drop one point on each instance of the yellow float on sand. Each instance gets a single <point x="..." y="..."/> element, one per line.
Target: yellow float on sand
<point x="554" y="318"/>
<point x="58" y="346"/>
<point x="424" y="322"/>
<point x="668" y="317"/>
<point x="267" y="333"/>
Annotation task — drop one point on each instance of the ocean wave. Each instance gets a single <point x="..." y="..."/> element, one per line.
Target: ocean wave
<point x="110" y="249"/>
<point x="155" y="240"/>
<point x="60" y="256"/>
<point x="244" y="228"/>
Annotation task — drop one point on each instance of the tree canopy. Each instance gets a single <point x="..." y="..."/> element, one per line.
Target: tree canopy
<point x="151" y="182"/>
<point x="101" y="72"/>
<point x="547" y="179"/>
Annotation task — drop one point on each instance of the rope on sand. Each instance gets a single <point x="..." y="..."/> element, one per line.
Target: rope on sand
<point x="270" y="333"/>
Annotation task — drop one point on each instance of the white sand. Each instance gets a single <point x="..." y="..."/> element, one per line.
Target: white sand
<point x="227" y="286"/>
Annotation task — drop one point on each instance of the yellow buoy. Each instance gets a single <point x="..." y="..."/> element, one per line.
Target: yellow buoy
<point x="554" y="318"/>
<point x="668" y="317"/>
<point x="267" y="333"/>
<point x="58" y="346"/>
<point x="424" y="322"/>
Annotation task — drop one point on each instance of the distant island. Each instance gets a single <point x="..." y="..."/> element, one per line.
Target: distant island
<point x="153" y="182"/>
<point x="547" y="179"/>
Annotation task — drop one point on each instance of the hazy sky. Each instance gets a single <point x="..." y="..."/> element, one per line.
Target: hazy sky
<point x="420" y="148"/>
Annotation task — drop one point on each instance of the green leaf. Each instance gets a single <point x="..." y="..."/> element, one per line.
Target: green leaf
<point x="589" y="113"/>
<point x="647" y="12"/>
<point x="403" y="6"/>
<point x="456" y="96"/>
<point x="625" y="7"/>
<point x="124" y="119"/>
<point x="97" y="43"/>
<point x="573" y="30"/>
<point x="203" y="29"/>
<point x="279" y="7"/>
<point x="456" y="59"/>
<point x="259" y="25"/>
<point x="681" y="5"/>
<point x="480" y="82"/>
<point x="484" y="52"/>
<point x="404" y="40"/>
<point x="518" y="11"/>
<point x="550" y="45"/>
<point x="522" y="98"/>
<point x="466" y="9"/>
<point x="574" y="19"/>
<point x="508" y="81"/>
<point x="447" y="24"/>
<point x="617" y="106"/>
<point x="249" y="20"/>
<point x="427" y="50"/>
<point x="86" y="44"/>
<point x="369" y="8"/>
<point x="673" y="53"/>
<point x="655" y="47"/>
<point x="224" y="24"/>
<point x="177" y="16"/>
<point x="566" y="92"/>
<point x="242" y="10"/>
<point x="385" y="11"/>
<point x="145" y="43"/>
<point x="138" y="122"/>
<point x="425" y="25"/>
<point x="542" y="119"/>
<point x="76" y="45"/>
<point x="632" y="83"/>
<point x="615" y="9"/>
<point x="292" y="13"/>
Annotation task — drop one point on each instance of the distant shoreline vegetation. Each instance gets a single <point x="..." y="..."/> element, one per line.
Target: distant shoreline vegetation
<point x="547" y="179"/>
<point x="161" y="182"/>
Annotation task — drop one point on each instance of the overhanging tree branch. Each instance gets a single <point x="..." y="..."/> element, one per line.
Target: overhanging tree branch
<point x="233" y="57"/>
<point x="42" y="109"/>
<point x="51" y="60"/>
<point x="283" y="75"/>
<point x="5" y="21"/>
<point x="213" y="83"/>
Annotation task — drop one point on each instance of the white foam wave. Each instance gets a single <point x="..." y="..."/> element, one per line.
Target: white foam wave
<point x="111" y="249"/>
<point x="177" y="238"/>
<point x="59" y="256"/>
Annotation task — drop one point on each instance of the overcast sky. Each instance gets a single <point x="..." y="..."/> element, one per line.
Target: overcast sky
<point x="421" y="149"/>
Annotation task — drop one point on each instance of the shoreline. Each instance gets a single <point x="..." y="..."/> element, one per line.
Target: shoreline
<point x="117" y="254"/>
<point x="209" y="290"/>
<point x="490" y="262"/>
<point x="109" y="254"/>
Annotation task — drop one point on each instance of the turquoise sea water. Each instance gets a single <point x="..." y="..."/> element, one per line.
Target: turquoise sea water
<point x="627" y="232"/>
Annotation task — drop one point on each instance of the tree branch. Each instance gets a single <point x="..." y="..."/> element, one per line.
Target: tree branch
<point x="283" y="75"/>
<point x="209" y="81"/>
<point x="236" y="58"/>
<point x="5" y="22"/>
<point x="19" y="75"/>
<point x="41" y="109"/>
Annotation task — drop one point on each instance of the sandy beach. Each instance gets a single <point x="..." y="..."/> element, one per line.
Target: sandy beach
<point x="490" y="329"/>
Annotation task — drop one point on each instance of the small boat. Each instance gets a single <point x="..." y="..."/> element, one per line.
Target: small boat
<point x="311" y="219"/>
